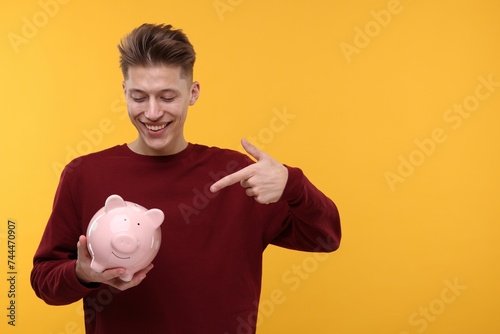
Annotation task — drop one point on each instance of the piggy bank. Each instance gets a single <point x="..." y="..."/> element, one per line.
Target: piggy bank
<point x="125" y="235"/>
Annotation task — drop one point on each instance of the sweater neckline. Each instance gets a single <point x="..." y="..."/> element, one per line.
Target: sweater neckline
<point x="158" y="158"/>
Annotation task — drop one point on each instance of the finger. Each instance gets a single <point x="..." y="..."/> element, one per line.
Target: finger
<point x="136" y="279"/>
<point x="231" y="179"/>
<point x="245" y="184"/>
<point x="252" y="150"/>
<point x="84" y="255"/>
<point x="250" y="192"/>
<point x="109" y="274"/>
<point x="82" y="247"/>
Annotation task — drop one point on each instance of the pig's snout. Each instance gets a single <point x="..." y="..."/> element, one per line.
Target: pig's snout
<point x="124" y="243"/>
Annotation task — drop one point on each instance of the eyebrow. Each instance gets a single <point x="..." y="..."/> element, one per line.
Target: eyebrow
<point x="166" y="90"/>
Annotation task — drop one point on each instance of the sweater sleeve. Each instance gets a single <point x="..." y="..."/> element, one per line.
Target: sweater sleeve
<point x="53" y="276"/>
<point x="313" y="222"/>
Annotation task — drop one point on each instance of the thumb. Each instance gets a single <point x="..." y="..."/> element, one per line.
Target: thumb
<point x="82" y="246"/>
<point x="252" y="150"/>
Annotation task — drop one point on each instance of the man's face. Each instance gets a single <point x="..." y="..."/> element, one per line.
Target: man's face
<point x="158" y="98"/>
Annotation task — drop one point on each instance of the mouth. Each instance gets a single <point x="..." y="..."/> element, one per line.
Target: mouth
<point x="156" y="128"/>
<point x="122" y="258"/>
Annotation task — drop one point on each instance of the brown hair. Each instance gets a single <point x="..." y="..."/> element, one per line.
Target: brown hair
<point x="152" y="45"/>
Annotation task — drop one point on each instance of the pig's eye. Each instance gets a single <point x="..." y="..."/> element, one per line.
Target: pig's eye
<point x="138" y="224"/>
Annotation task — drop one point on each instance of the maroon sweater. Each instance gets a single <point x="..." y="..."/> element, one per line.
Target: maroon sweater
<point x="207" y="274"/>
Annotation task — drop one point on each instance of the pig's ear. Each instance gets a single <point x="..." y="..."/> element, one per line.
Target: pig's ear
<point x="156" y="216"/>
<point x="113" y="202"/>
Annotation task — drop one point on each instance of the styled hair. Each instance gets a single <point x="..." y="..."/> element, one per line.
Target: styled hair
<point x="153" y="45"/>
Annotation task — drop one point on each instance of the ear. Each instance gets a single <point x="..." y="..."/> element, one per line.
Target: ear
<point x="114" y="202"/>
<point x="156" y="216"/>
<point x="195" y="93"/>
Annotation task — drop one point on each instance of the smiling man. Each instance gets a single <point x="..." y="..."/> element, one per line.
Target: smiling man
<point x="158" y="99"/>
<point x="207" y="274"/>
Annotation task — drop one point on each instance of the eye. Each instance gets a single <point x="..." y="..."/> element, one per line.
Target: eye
<point x="138" y="224"/>
<point x="167" y="99"/>
<point x="138" y="99"/>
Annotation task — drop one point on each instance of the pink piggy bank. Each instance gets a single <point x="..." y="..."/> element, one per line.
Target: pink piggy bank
<point x="124" y="234"/>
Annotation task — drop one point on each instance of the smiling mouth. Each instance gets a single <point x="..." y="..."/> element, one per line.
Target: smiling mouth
<point x="156" y="128"/>
<point x="123" y="258"/>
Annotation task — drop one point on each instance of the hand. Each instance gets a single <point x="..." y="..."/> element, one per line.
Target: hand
<point x="110" y="276"/>
<point x="264" y="180"/>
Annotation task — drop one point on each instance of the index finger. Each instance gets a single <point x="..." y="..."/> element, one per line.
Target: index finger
<point x="242" y="174"/>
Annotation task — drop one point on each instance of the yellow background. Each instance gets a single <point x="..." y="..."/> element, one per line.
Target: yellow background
<point x="354" y="121"/>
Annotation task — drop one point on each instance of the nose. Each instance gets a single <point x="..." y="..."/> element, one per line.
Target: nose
<point x="154" y="111"/>
<point x="124" y="243"/>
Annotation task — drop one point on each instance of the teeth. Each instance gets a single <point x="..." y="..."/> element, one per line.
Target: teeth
<point x="155" y="127"/>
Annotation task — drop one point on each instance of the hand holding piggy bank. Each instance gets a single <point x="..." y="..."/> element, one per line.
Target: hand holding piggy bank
<point x="124" y="234"/>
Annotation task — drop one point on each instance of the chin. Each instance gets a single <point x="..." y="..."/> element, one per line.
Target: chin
<point x="165" y="147"/>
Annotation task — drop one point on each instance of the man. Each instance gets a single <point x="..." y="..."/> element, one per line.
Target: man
<point x="207" y="275"/>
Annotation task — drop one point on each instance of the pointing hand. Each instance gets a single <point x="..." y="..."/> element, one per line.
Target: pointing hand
<point x="263" y="180"/>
